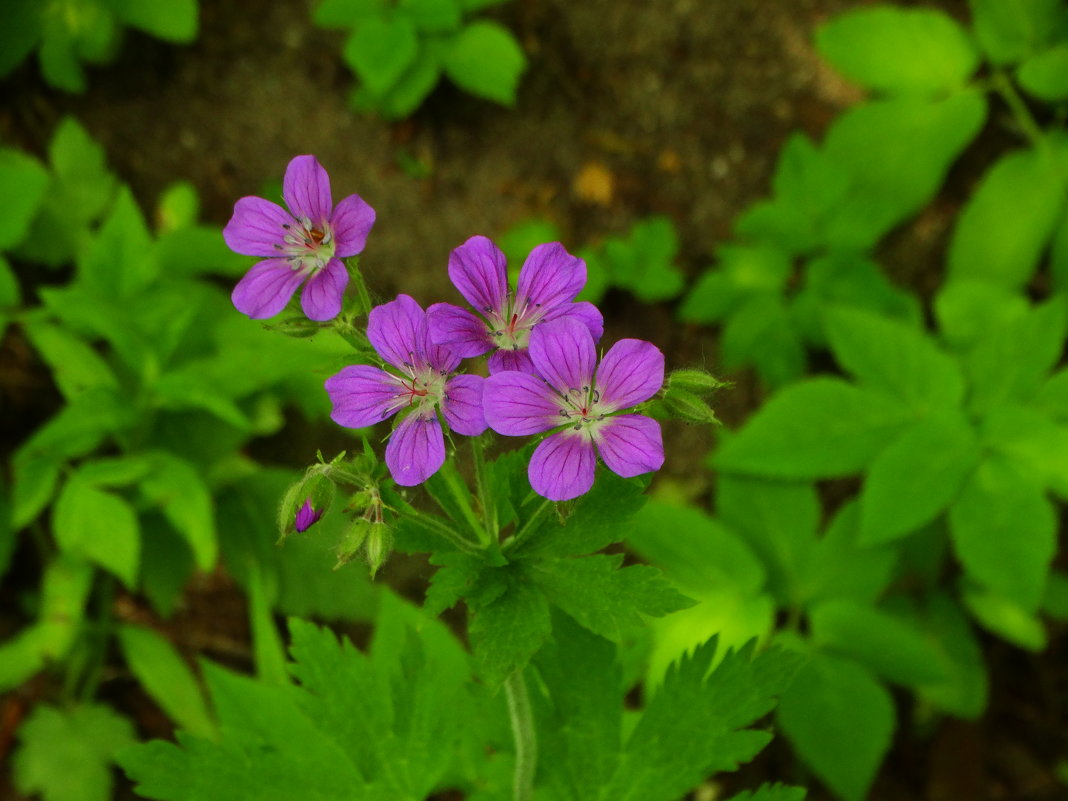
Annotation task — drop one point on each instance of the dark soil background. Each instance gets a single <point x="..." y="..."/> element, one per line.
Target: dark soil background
<point x="628" y="108"/>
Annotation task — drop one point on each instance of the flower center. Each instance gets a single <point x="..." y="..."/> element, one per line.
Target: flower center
<point x="579" y="408"/>
<point x="308" y="247"/>
<point x="422" y="389"/>
<point x="511" y="327"/>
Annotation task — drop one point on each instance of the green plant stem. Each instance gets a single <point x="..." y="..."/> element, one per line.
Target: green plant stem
<point x="353" y="264"/>
<point x="442" y="529"/>
<point x="485" y="497"/>
<point x="526" y="739"/>
<point x="1004" y="87"/>
<point x="529" y="527"/>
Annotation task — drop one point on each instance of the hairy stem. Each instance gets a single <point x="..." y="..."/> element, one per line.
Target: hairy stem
<point x="526" y="739"/>
<point x="485" y="496"/>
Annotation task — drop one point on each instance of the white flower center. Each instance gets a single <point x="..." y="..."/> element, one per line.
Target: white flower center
<point x="308" y="248"/>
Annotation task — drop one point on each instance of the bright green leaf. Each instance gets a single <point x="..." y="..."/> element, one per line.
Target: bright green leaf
<point x="916" y="477"/>
<point x="433" y="16"/>
<point x="486" y="60"/>
<point x="818" y="428"/>
<point x="173" y="20"/>
<point x="1004" y="532"/>
<point x="762" y="332"/>
<point x="120" y="260"/>
<point x="177" y="488"/>
<point x="1045" y="74"/>
<point x="899" y="50"/>
<point x="968" y="310"/>
<point x="508" y="630"/>
<point x="167" y="678"/>
<point x="99" y="526"/>
<point x="23" y="181"/>
<point x="839" y="720"/>
<point x="65" y="755"/>
<point x="76" y="366"/>
<point x="1034" y="444"/>
<point x="346" y="13"/>
<point x="380" y="50"/>
<point x="1006" y="618"/>
<point x="838" y="566"/>
<point x="1008" y="221"/>
<point x="1010" y="30"/>
<point x="413" y="86"/>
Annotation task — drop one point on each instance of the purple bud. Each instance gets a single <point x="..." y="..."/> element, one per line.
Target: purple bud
<point x="307" y="516"/>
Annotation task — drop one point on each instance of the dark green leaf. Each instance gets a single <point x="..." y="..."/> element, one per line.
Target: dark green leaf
<point x="99" y="526"/>
<point x="1010" y="31"/>
<point x="762" y="332"/>
<point x="839" y="720"/>
<point x="508" y="630"/>
<point x="346" y="13"/>
<point x="818" y="428"/>
<point x="176" y="487"/>
<point x="173" y="20"/>
<point x="23" y="181"/>
<point x="19" y="34"/>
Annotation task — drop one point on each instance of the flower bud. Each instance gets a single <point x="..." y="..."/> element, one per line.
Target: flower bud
<point x="305" y="502"/>
<point x="379" y="546"/>
<point x="307" y="516"/>
<point x="683" y="405"/>
<point x="696" y="381"/>
<point x="352" y="540"/>
<point x="297" y="327"/>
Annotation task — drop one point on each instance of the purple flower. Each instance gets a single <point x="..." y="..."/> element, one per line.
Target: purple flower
<point x="548" y="283"/>
<point x="307" y="516"/>
<point x="363" y="395"/>
<point x="305" y="243"/>
<point x="571" y="391"/>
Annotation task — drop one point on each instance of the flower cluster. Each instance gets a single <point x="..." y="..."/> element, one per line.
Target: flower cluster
<point x="544" y="379"/>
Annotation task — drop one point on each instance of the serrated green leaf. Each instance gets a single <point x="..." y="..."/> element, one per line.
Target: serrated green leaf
<point x="694" y="725"/>
<point x="1010" y="31"/>
<point x="818" y="428"/>
<point x="23" y="181"/>
<point x="1008" y="221"/>
<point x="883" y="642"/>
<point x="120" y="261"/>
<point x="916" y="477"/>
<point x="839" y="720"/>
<point x="897" y="153"/>
<point x="67" y="755"/>
<point x="173" y="20"/>
<point x="486" y="60"/>
<point x="508" y="630"/>
<point x="456" y="577"/>
<point x="1004" y="532"/>
<point x="896" y="359"/>
<point x="99" y="526"/>
<point x="607" y="600"/>
<point x="898" y="50"/>
<point x="175" y="486"/>
<point x="85" y="183"/>
<point x="380" y="50"/>
<point x="166" y="677"/>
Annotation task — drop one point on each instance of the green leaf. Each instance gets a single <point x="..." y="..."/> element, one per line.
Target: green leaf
<point x="695" y="724"/>
<point x="23" y="181"/>
<point x="1008" y="221"/>
<point x="916" y="477"/>
<point x="895" y="358"/>
<point x="968" y="310"/>
<point x="711" y="298"/>
<point x="1045" y="74"/>
<point x="19" y="34"/>
<point x="818" y="428"/>
<point x="413" y="86"/>
<point x="897" y="153"/>
<point x="643" y="262"/>
<point x="167" y="678"/>
<point x="509" y="629"/>
<point x="173" y="20"/>
<point x="1036" y="446"/>
<point x="883" y="642"/>
<point x="197" y="249"/>
<point x="771" y="792"/>
<point x="346" y="13"/>
<point x="99" y="526"/>
<point x="839" y="720"/>
<point x="607" y="600"/>
<point x="899" y="50"/>
<point x="1011" y="361"/>
<point x="76" y="366"/>
<point x="577" y="710"/>
<point x="963" y="691"/>
<point x="839" y="566"/>
<point x="380" y="50"/>
<point x="1006" y="618"/>
<point x="1010" y="31"/>
<point x="120" y="259"/>
<point x="177" y="488"/>
<point x="1004" y="532"/>
<point x="59" y="63"/>
<point x="762" y="332"/>
<point x="1052" y="397"/>
<point x="433" y="16"/>
<point x="66" y="755"/>
<point x="486" y="60"/>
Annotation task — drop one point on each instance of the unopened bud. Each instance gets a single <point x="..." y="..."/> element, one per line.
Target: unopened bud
<point x="683" y="405"/>
<point x="352" y="540"/>
<point x="305" y="502"/>
<point x="307" y="516"/>
<point x="696" y="381"/>
<point x="379" y="546"/>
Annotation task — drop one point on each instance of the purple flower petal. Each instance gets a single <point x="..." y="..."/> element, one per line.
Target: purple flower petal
<point x="321" y="298"/>
<point x="266" y="288"/>
<point x="394" y="330"/>
<point x="307" y="516"/>
<point x="363" y="395"/>
<point x="630" y="444"/>
<point x="518" y="404"/>
<point x="416" y="449"/>
<point x="256" y="227"/>
<point x="631" y="372"/>
<point x="462" y="405"/>
<point x="585" y="312"/>
<point x="459" y="329"/>
<point x="352" y="222"/>
<point x="501" y="361"/>
<point x="550" y="276"/>
<point x="478" y="269"/>
<point x="563" y="354"/>
<point x="306" y="190"/>
<point x="562" y="466"/>
<point x="440" y="357"/>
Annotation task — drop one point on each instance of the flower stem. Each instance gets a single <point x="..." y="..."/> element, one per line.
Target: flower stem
<point x="485" y="497"/>
<point x="442" y="529"/>
<point x="353" y="263"/>
<point x="529" y="527"/>
<point x="526" y="739"/>
<point x="1031" y="129"/>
